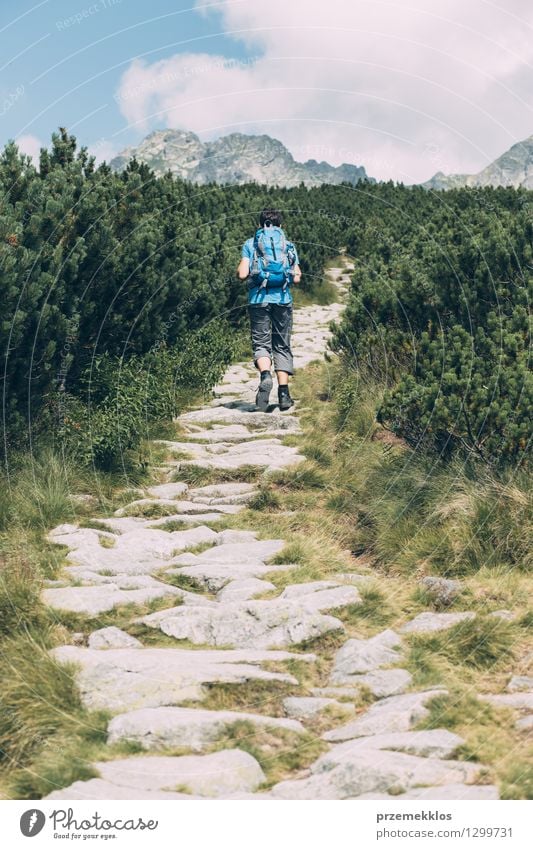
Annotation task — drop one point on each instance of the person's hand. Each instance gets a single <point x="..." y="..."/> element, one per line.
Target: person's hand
<point x="296" y="278"/>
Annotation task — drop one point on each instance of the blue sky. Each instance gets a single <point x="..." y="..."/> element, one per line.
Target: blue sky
<point x="62" y="61"/>
<point x="404" y="87"/>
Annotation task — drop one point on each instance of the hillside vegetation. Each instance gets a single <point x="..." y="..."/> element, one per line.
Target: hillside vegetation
<point x="121" y="309"/>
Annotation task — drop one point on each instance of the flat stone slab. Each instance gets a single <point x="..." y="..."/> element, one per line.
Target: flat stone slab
<point x="321" y="595"/>
<point x="182" y="507"/>
<point x="518" y="701"/>
<point x="363" y="772"/>
<point x="133" y="552"/>
<point x="215" y="576"/>
<point x="525" y="723"/>
<point x="168" y="490"/>
<point x="112" y="638"/>
<point x="306" y="707"/>
<point x="93" y="600"/>
<point x="244" y="590"/>
<point x="233" y="536"/>
<point x="221" y="490"/>
<point x="435" y="743"/>
<point x="223" y="501"/>
<point x="98" y="789"/>
<point x="360" y="656"/>
<point x="222" y="773"/>
<point x="384" y="682"/>
<point x="271" y="454"/>
<point x="233" y="412"/>
<point x="192" y="728"/>
<point x="238" y="433"/>
<point x="121" y="680"/>
<point x="520" y="684"/>
<point x="252" y="624"/>
<point x="395" y="713"/>
<point x="186" y="519"/>
<point x="242" y="552"/>
<point x="336" y="692"/>
<point x="432" y="622"/>
<point x="230" y="561"/>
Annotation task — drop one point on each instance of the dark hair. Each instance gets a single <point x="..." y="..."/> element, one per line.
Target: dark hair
<point x="270" y="216"/>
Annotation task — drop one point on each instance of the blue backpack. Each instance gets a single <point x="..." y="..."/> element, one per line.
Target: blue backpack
<point x="273" y="258"/>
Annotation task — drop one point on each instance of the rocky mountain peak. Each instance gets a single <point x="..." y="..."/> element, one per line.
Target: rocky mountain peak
<point x="512" y="168"/>
<point x="235" y="158"/>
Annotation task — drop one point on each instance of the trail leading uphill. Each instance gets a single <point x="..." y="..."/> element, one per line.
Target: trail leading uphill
<point x="221" y="621"/>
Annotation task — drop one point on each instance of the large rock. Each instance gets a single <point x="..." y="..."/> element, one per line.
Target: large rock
<point x="270" y="454"/>
<point x="93" y="600"/>
<point x="230" y="537"/>
<point x="443" y="591"/>
<point x="360" y="656"/>
<point x="119" y="680"/>
<point x="192" y="728"/>
<point x="99" y="790"/>
<point x="306" y="707"/>
<point x="168" y="490"/>
<point x="239" y="413"/>
<point x="241" y="552"/>
<point x="179" y="507"/>
<point x="238" y="433"/>
<point x="384" y="682"/>
<point x="244" y="590"/>
<point x="214" y="576"/>
<point x="365" y="770"/>
<point x="252" y="624"/>
<point x="322" y="595"/>
<point x="432" y="622"/>
<point x="436" y="743"/>
<point x="520" y="684"/>
<point x="518" y="701"/>
<point x="138" y="551"/>
<point x="112" y="638"/>
<point x="396" y="713"/>
<point x="240" y="498"/>
<point x="227" y="772"/>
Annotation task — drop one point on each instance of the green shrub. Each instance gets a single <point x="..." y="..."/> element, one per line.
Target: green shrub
<point x="439" y="312"/>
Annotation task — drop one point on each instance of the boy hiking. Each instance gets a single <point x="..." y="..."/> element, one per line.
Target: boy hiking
<point x="270" y="264"/>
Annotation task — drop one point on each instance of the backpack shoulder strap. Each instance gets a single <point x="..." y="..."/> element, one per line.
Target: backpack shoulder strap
<point x="259" y="242"/>
<point x="254" y="262"/>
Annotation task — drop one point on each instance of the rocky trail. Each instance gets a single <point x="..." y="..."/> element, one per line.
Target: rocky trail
<point x="222" y="622"/>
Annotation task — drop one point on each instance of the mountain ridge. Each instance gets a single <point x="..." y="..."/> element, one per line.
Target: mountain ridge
<point x="233" y="159"/>
<point x="512" y="168"/>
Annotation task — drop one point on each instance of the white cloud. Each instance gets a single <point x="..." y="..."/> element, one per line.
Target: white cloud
<point x="103" y="150"/>
<point x="30" y="145"/>
<point x="405" y="87"/>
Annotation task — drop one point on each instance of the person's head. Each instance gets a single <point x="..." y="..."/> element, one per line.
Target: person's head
<point x="270" y="217"/>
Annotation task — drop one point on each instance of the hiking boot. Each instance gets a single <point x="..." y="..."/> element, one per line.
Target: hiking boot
<point x="284" y="398"/>
<point x="263" y="393"/>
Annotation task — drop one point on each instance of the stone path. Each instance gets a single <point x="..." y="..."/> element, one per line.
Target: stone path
<point x="226" y="633"/>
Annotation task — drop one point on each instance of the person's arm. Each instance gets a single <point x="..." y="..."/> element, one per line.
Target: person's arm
<point x="243" y="269"/>
<point x="296" y="270"/>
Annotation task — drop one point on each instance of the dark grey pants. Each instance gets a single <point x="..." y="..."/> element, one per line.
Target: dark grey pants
<point x="271" y="326"/>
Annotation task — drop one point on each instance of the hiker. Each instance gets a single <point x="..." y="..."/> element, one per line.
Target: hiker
<point x="270" y="264"/>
